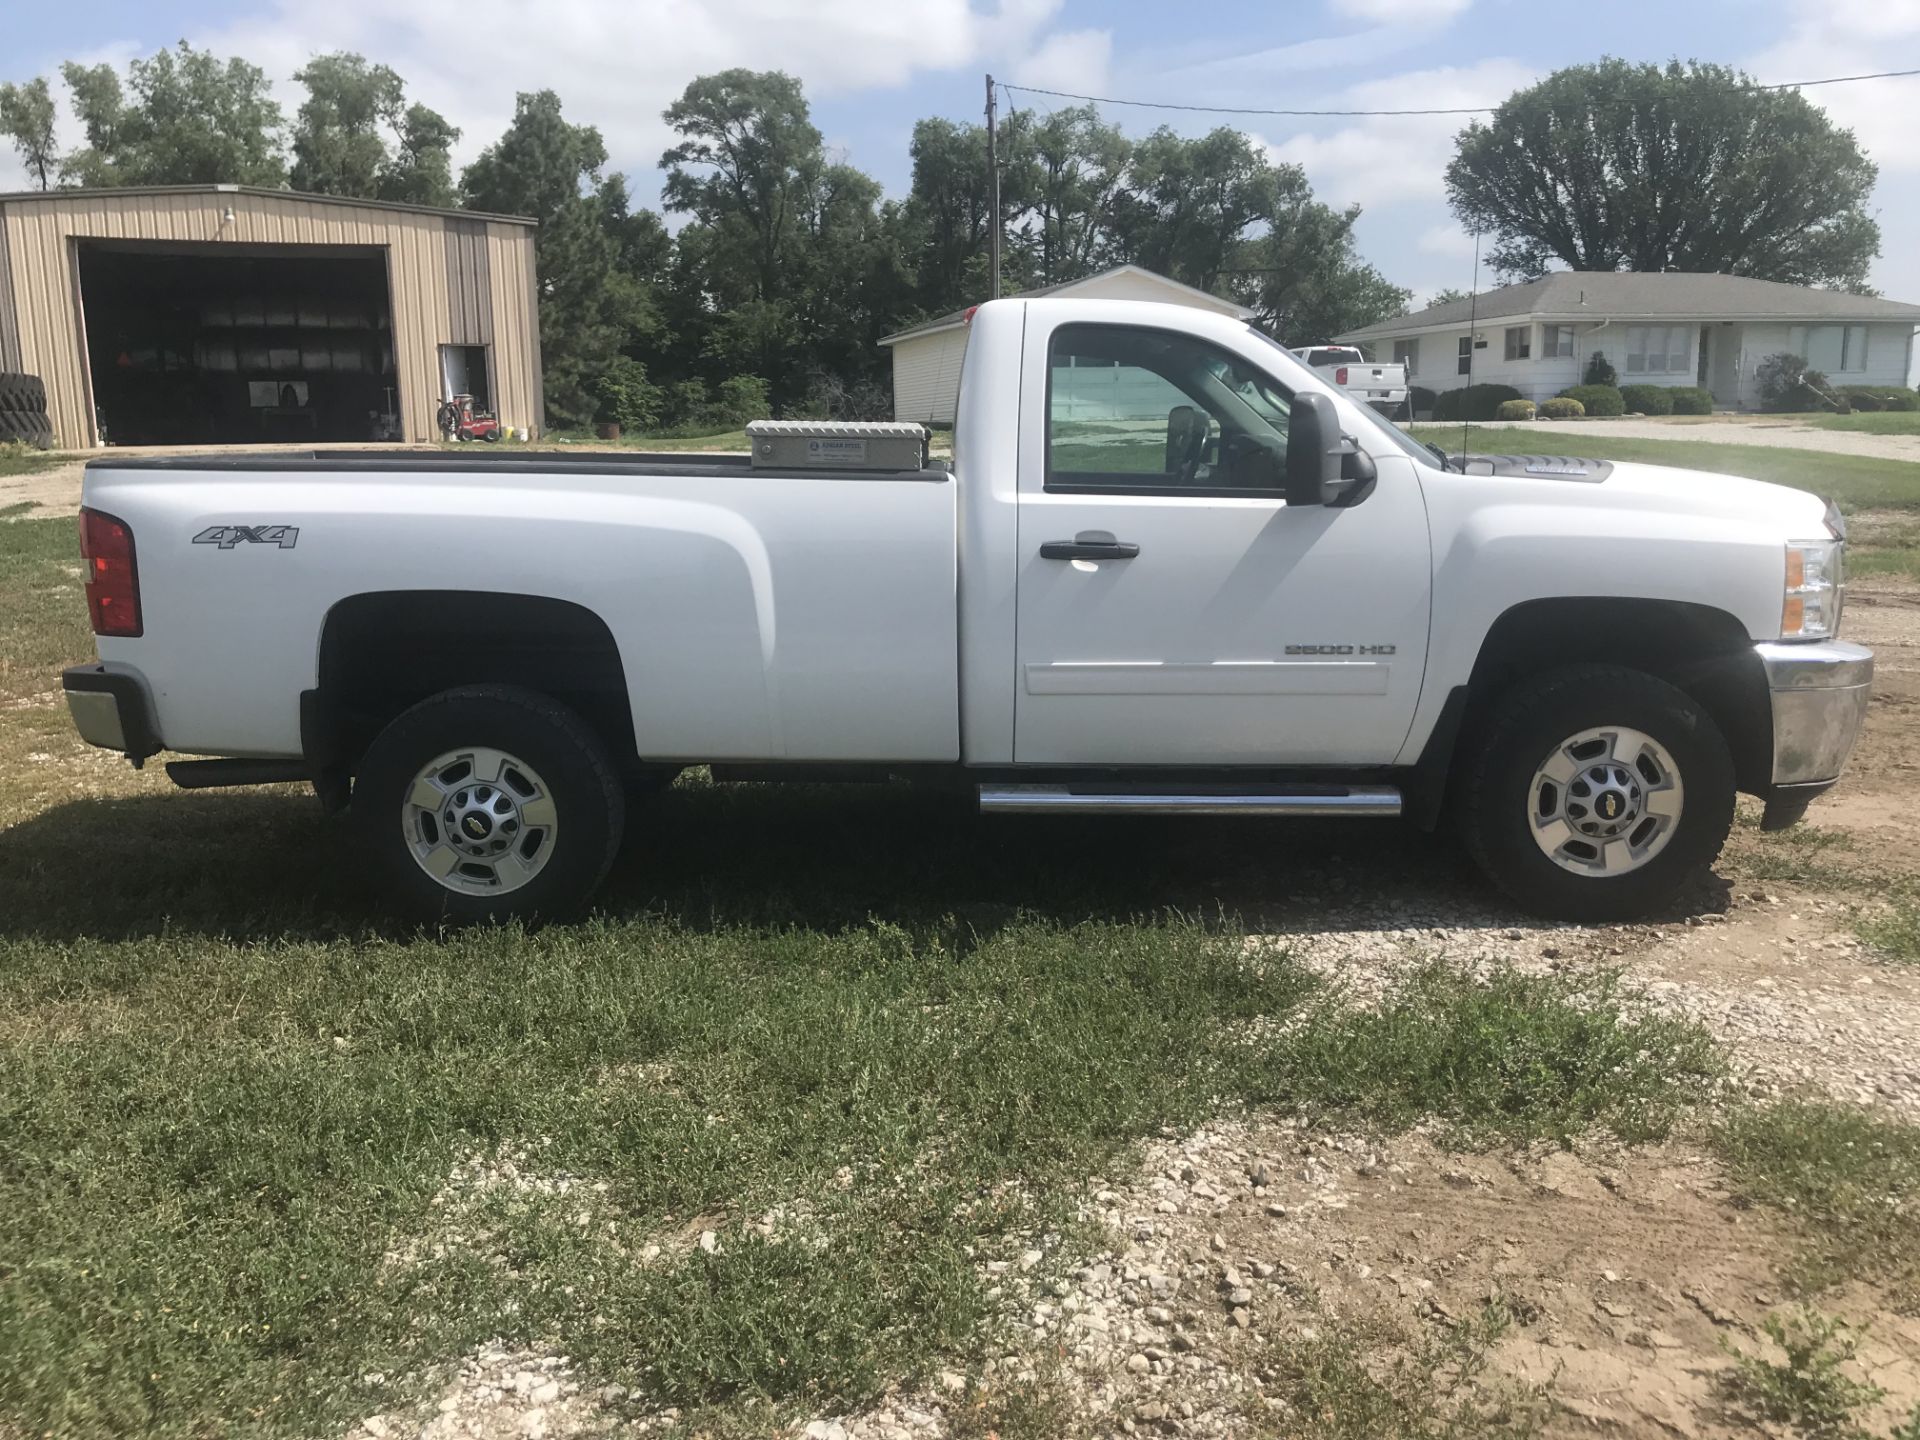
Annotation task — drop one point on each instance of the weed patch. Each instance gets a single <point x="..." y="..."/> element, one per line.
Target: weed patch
<point x="1508" y="1057"/>
<point x="1355" y="1382"/>
<point x="1850" y="1177"/>
<point x="1809" y="1389"/>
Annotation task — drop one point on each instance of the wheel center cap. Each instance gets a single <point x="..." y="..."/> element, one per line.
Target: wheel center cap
<point x="477" y="826"/>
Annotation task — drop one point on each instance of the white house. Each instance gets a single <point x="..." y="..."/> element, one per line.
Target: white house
<point x="926" y="357"/>
<point x="1669" y="328"/>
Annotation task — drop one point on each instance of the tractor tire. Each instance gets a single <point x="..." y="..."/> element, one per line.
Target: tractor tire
<point x="23" y="411"/>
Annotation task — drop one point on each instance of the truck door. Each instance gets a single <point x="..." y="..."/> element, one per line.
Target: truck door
<point x="1172" y="609"/>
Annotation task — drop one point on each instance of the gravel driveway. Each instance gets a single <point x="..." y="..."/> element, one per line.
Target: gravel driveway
<point x="1786" y="434"/>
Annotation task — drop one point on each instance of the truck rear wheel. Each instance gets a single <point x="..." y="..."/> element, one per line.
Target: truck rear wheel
<point x="1596" y="793"/>
<point x="490" y="802"/>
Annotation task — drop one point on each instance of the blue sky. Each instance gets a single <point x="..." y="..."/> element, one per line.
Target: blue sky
<point x="872" y="67"/>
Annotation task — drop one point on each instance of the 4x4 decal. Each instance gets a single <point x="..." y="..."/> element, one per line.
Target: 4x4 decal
<point x="228" y="536"/>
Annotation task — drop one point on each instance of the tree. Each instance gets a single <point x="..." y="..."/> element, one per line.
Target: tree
<point x="1686" y="167"/>
<point x="788" y="263"/>
<point x="1446" y="296"/>
<point x="1065" y="175"/>
<point x="944" y="221"/>
<point x="26" y="118"/>
<point x="340" y="136"/>
<point x="420" y="171"/>
<point x="1190" y="204"/>
<point x="193" y="119"/>
<point x="1304" y="276"/>
<point x="549" y="169"/>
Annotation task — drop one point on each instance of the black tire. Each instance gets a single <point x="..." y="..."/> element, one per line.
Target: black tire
<point x="17" y="426"/>
<point x="568" y="756"/>
<point x="1522" y="728"/>
<point x="22" y="392"/>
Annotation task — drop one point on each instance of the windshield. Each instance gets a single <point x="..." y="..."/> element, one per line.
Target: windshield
<point x="1379" y="425"/>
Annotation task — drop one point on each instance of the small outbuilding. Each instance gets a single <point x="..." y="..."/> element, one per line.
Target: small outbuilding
<point x="926" y="357"/>
<point x="224" y="314"/>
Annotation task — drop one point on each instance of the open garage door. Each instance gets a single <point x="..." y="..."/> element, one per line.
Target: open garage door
<point x="232" y="344"/>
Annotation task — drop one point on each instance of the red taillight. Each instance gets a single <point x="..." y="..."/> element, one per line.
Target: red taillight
<point x="1340" y="376"/>
<point x="113" y="581"/>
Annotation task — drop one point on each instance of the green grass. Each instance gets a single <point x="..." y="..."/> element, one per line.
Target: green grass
<point x="1872" y="422"/>
<point x="1852" y="1179"/>
<point x="233" y="1093"/>
<point x="724" y="440"/>
<point x="43" y="608"/>
<point x="18" y="459"/>
<point x="1896" y="932"/>
<point x="1856" y="481"/>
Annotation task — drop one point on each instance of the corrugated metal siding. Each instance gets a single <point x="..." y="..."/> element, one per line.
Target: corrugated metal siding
<point x="44" y="335"/>
<point x="9" y="318"/>
<point x="515" y="323"/>
<point x="469" y="294"/>
<point x="926" y="376"/>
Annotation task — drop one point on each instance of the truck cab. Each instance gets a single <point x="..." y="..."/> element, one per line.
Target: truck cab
<point x="1170" y="569"/>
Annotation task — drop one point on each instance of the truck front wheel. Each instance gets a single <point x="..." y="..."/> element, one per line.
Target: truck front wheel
<point x="1596" y="793"/>
<point x="489" y="802"/>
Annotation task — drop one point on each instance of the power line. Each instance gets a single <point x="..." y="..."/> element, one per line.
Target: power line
<point x="1453" y="110"/>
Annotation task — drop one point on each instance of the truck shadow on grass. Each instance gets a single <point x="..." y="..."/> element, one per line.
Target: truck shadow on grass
<point x="270" y="865"/>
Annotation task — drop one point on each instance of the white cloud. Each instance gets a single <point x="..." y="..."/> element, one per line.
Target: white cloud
<point x="618" y="63"/>
<point x="1400" y="12"/>
<point x="1385" y="159"/>
<point x="1857" y="37"/>
<point x="1076" y="60"/>
<point x="1447" y="240"/>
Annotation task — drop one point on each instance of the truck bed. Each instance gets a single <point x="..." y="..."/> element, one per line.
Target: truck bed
<point x="718" y="465"/>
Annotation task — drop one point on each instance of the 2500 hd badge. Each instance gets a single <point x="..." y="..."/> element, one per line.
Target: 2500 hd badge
<point x="1340" y="649"/>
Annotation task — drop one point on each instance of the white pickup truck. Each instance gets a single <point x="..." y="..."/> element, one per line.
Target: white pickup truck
<point x="1383" y="386"/>
<point x="1168" y="570"/>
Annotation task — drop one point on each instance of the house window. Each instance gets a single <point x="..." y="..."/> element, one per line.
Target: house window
<point x="1556" y="342"/>
<point x="1407" y="353"/>
<point x="1466" y="355"/>
<point x="1519" y="342"/>
<point x="1659" y="349"/>
<point x="1834" y="349"/>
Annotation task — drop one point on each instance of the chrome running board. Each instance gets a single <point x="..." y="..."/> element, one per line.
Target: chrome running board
<point x="1362" y="800"/>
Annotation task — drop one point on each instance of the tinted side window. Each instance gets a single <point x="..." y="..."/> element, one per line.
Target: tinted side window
<point x="1131" y="409"/>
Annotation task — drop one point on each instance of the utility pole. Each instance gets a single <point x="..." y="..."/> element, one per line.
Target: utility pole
<point x="993" y="202"/>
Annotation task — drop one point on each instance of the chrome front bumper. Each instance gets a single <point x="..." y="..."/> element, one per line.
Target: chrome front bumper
<point x="1819" y="693"/>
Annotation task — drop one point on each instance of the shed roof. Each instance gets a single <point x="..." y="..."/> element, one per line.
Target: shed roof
<point x="1183" y="293"/>
<point x="135" y="192"/>
<point x="1645" y="295"/>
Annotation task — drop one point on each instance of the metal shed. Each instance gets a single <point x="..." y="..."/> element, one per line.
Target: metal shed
<point x="231" y="315"/>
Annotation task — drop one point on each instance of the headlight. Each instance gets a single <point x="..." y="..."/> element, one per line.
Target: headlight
<point x="1815" y="589"/>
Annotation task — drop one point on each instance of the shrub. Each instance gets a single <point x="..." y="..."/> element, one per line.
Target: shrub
<point x="686" y="403"/>
<point x="1562" y="407"/>
<point x="1880" y="397"/>
<point x="1472" y="402"/>
<point x="1691" y="400"/>
<point x="1514" y="410"/>
<point x="1646" y="399"/>
<point x="1600" y="371"/>
<point x="1597" y="399"/>
<point x="740" y="398"/>
<point x="1422" y="399"/>
<point x="1786" y="383"/>
<point x="623" y="396"/>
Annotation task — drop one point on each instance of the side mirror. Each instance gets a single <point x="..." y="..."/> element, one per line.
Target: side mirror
<point x="1324" y="467"/>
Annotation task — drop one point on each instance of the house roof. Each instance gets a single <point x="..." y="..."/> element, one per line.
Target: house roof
<point x="957" y="318"/>
<point x="1644" y="295"/>
<point x="137" y="192"/>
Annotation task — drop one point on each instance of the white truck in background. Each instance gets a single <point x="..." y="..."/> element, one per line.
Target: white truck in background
<point x="1169" y="570"/>
<point x="1345" y="367"/>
